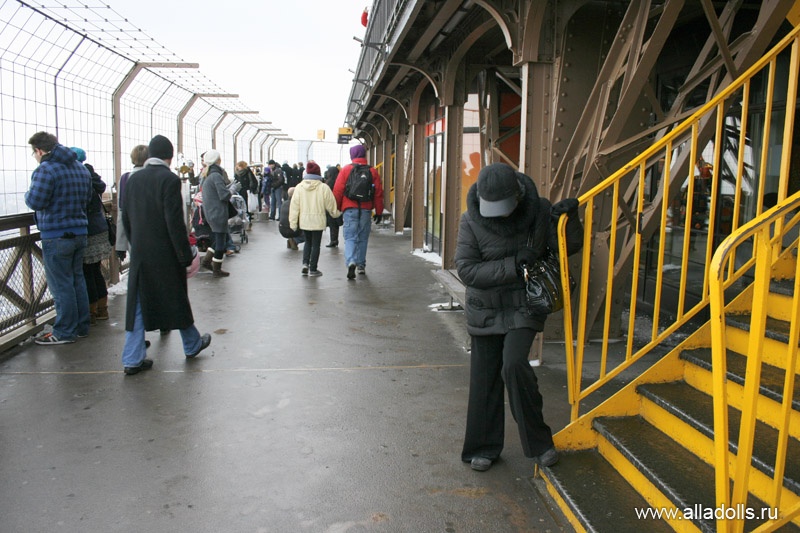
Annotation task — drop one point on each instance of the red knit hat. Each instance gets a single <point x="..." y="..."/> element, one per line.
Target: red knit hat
<point x="313" y="168"/>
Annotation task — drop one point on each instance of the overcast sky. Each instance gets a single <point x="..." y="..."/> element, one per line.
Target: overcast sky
<point x="287" y="59"/>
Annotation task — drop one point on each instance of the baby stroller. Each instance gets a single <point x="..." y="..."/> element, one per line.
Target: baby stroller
<point x="237" y="224"/>
<point x="200" y="228"/>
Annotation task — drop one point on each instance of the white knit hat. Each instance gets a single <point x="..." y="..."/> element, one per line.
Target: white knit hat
<point x="211" y="157"/>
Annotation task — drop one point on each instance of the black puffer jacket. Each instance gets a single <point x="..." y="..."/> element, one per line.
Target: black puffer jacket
<point x="486" y="260"/>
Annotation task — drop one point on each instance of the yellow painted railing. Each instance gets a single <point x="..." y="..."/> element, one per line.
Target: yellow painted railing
<point x="627" y="220"/>
<point x="762" y="242"/>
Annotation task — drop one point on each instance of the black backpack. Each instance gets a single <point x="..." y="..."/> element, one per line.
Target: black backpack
<point x="359" y="186"/>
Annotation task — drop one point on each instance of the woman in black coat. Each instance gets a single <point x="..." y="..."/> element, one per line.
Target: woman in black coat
<point x="506" y="224"/>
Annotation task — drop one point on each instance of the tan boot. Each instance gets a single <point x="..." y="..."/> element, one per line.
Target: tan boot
<point x="102" y="308"/>
<point x="293" y="244"/>
<point x="92" y="314"/>
<point x="218" y="272"/>
<point x="206" y="261"/>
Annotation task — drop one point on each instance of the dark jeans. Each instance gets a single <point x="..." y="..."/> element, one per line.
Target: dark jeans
<point x="334" y="233"/>
<point x="95" y="282"/>
<point x="498" y="362"/>
<point x="311" y="248"/>
<point x="220" y="243"/>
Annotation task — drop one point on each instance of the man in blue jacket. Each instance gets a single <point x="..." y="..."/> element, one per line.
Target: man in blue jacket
<point x="60" y="191"/>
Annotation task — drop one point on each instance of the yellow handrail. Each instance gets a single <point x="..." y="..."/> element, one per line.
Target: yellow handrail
<point x="627" y="219"/>
<point x="767" y="234"/>
<point x="617" y="246"/>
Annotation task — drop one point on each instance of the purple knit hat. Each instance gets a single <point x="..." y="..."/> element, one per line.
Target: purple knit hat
<point x="358" y="151"/>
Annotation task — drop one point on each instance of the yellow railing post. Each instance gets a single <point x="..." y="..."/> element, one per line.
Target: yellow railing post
<point x="628" y="207"/>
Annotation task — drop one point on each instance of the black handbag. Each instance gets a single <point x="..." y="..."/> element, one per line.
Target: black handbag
<point x="112" y="226"/>
<point x="544" y="293"/>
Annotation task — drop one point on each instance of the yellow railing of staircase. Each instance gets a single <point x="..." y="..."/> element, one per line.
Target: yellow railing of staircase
<point x="671" y="160"/>
<point x="753" y="250"/>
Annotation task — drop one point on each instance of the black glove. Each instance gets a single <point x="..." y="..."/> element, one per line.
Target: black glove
<point x="525" y="256"/>
<point x="121" y="255"/>
<point x="567" y="205"/>
<point x="377" y="218"/>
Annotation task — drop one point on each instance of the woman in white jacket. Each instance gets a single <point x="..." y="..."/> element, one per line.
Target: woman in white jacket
<point x="311" y="201"/>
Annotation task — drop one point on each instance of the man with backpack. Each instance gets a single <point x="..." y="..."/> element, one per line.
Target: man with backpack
<point x="358" y="191"/>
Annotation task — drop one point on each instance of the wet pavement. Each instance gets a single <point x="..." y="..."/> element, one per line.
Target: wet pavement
<point x="322" y="405"/>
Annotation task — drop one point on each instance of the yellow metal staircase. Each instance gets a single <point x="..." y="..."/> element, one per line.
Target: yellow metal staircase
<point x="707" y="438"/>
<point x="650" y="466"/>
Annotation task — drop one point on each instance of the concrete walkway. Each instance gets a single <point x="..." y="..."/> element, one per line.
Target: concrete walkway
<point x="322" y="405"/>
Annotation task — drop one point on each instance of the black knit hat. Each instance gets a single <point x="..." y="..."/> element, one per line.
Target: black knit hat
<point x="160" y="147"/>
<point x="500" y="189"/>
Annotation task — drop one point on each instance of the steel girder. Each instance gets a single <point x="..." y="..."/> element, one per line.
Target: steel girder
<point x="588" y="72"/>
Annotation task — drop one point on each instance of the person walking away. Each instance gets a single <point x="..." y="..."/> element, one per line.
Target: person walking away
<point x="289" y="176"/>
<point x="98" y="246"/>
<point x="158" y="296"/>
<point x="266" y="189"/>
<point x="59" y="194"/>
<point x="216" y="197"/>
<point x="333" y="223"/>
<point x="293" y="237"/>
<point x="313" y="201"/>
<point x="505" y="213"/>
<point x="138" y="157"/>
<point x="294" y="178"/>
<point x="276" y="182"/>
<point x="356" y="198"/>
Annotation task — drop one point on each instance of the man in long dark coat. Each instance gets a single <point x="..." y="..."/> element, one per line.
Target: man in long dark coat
<point x="152" y="215"/>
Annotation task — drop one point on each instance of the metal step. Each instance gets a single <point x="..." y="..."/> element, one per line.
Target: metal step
<point x="680" y="475"/>
<point x="600" y="498"/>
<point x="782" y="286"/>
<point x="777" y="330"/>
<point x="771" y="377"/>
<point x="695" y="407"/>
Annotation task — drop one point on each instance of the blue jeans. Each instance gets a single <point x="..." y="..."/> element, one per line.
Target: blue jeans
<point x="276" y="199"/>
<point x="357" y="225"/>
<point x="63" y="268"/>
<point x="134" y="351"/>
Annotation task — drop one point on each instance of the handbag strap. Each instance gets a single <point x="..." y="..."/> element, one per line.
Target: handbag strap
<point x="103" y="205"/>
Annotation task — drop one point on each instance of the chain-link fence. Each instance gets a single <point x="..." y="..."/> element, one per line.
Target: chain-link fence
<point x="82" y="71"/>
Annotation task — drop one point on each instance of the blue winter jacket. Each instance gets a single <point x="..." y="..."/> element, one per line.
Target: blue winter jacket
<point x="60" y="191"/>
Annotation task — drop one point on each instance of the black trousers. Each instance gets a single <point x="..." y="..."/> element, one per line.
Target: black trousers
<point x="334" y="233"/>
<point x="311" y="248"/>
<point x="95" y="282"/>
<point x="498" y="362"/>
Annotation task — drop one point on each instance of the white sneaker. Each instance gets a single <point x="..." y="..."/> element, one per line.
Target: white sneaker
<point x="49" y="338"/>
